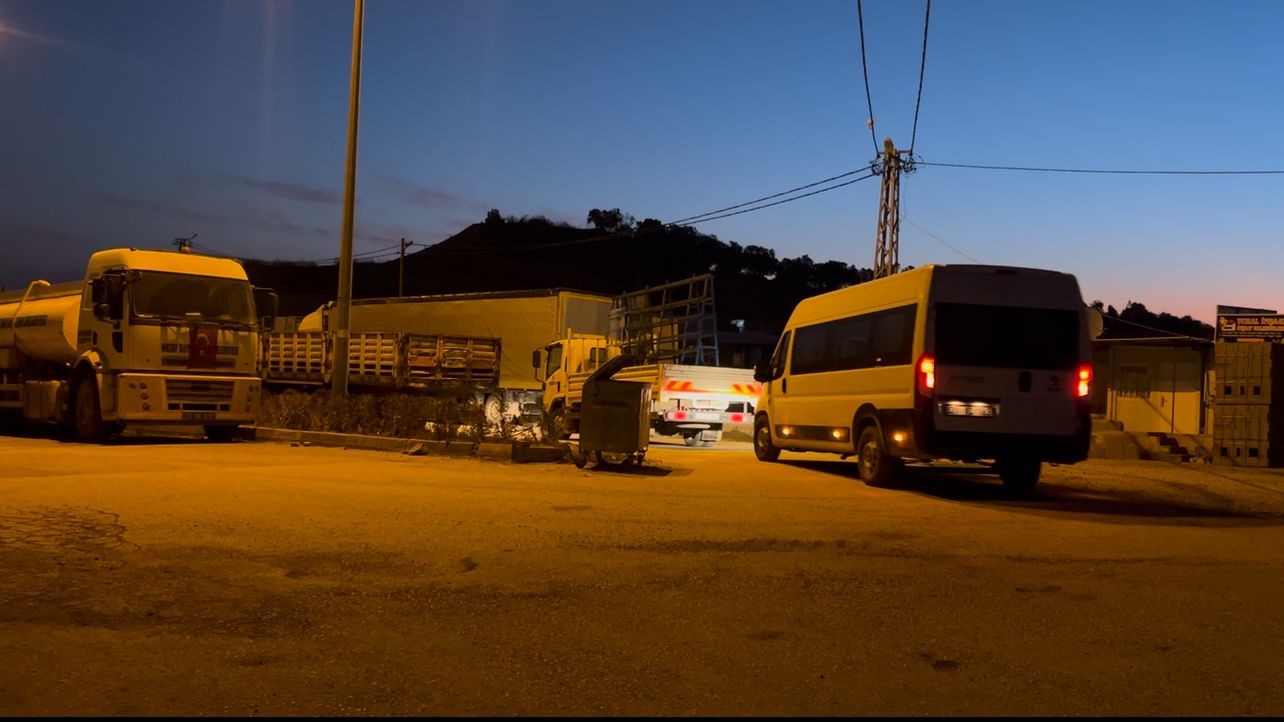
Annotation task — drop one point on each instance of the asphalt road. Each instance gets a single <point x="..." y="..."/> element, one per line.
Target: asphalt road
<point x="154" y="577"/>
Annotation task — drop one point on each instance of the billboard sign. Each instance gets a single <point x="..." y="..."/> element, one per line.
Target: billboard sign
<point x="1258" y="326"/>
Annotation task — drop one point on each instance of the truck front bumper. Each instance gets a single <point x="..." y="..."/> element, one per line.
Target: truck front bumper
<point x="182" y="399"/>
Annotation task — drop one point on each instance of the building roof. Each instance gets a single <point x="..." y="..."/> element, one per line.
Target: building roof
<point x="473" y="295"/>
<point x="1153" y="341"/>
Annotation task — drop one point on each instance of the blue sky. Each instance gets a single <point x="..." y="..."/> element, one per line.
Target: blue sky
<point x="131" y="122"/>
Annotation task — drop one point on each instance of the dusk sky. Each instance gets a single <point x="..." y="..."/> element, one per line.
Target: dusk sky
<point x="132" y="122"/>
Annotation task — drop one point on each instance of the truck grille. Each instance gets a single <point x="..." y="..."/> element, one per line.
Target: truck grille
<point x="187" y="395"/>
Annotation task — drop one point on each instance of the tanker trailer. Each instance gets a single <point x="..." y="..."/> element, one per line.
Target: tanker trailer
<point x="147" y="338"/>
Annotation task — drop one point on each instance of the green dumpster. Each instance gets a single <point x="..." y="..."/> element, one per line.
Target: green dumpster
<point x="615" y="416"/>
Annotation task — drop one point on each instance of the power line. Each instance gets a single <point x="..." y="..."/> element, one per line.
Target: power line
<point x="335" y="259"/>
<point x="939" y="240"/>
<point x="702" y="219"/>
<point x="377" y="259"/>
<point x="864" y="69"/>
<point x="789" y="200"/>
<point x="1150" y="328"/>
<point x="767" y="198"/>
<point x="1115" y="171"/>
<point x="390" y="252"/>
<point x="377" y="251"/>
<point x="209" y="251"/>
<point x="922" y="67"/>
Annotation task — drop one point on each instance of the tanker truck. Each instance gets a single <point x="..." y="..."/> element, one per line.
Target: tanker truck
<point x="147" y="338"/>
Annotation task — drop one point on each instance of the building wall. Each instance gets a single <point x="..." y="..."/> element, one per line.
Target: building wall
<point x="1156" y="388"/>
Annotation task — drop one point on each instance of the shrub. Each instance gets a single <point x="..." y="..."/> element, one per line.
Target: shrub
<point x="403" y="415"/>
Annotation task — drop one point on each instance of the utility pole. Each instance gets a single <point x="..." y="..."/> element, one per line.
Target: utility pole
<point x="401" y="282"/>
<point x="887" y="245"/>
<point x="344" y="321"/>
<point x="184" y="245"/>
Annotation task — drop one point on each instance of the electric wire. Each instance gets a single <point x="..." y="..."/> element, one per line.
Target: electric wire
<point x="939" y="239"/>
<point x="922" y="67"/>
<point x="864" y="69"/>
<point x="1099" y="170"/>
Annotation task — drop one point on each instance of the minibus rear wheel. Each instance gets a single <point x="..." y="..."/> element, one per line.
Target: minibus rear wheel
<point x="1019" y="473"/>
<point x="877" y="467"/>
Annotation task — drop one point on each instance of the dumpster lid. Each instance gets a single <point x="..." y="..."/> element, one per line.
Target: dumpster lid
<point x="608" y="369"/>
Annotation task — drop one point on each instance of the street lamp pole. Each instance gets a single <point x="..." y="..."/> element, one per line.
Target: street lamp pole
<point x="344" y="321"/>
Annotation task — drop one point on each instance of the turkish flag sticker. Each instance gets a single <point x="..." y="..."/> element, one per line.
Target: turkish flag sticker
<point x="202" y="348"/>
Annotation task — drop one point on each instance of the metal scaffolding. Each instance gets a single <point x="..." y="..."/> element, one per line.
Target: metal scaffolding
<point x="672" y="322"/>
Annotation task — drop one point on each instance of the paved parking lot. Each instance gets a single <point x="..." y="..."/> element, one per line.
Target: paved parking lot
<point x="166" y="576"/>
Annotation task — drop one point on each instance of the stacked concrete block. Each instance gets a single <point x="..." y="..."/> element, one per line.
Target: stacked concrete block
<point x="1248" y="426"/>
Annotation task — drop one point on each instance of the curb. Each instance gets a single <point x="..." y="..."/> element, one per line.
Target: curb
<point x="517" y="452"/>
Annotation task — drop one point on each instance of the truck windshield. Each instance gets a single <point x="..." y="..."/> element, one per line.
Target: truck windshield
<point x="180" y="296"/>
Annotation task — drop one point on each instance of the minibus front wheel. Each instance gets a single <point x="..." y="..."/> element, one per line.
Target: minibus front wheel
<point x="762" y="446"/>
<point x="877" y="467"/>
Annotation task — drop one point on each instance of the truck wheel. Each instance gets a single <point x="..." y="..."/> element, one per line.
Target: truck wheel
<point x="691" y="438"/>
<point x="762" y="446"/>
<point x="220" y="434"/>
<point x="556" y="424"/>
<point x="877" y="467"/>
<point x="1019" y="474"/>
<point x="11" y="421"/>
<point x="87" y="417"/>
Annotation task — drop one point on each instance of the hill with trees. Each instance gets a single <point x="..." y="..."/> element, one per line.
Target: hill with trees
<point x="615" y="254"/>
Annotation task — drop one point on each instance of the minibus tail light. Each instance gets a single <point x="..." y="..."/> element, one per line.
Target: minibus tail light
<point x="1085" y="380"/>
<point x="926" y="375"/>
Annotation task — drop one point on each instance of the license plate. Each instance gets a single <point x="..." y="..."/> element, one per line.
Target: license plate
<point x="198" y="415"/>
<point x="970" y="410"/>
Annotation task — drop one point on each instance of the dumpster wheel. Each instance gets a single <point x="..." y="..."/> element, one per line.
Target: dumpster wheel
<point x="581" y="458"/>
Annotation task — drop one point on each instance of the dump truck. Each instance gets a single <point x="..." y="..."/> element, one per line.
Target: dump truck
<point x="428" y="363"/>
<point x="691" y="401"/>
<point x="521" y="320"/>
<point x="144" y="338"/>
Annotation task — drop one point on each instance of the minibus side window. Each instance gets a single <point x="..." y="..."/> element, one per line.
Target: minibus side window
<point x="849" y="344"/>
<point x="809" y="350"/>
<point x="882" y="338"/>
<point x="893" y="337"/>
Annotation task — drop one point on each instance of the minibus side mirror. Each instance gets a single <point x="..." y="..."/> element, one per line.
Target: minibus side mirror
<point x="762" y="372"/>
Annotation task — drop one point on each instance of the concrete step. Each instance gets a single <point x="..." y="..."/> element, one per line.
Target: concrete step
<point x="1101" y="423"/>
<point x="1114" y="444"/>
<point x="1162" y="446"/>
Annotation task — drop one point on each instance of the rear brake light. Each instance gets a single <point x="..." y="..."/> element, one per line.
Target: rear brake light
<point x="737" y="418"/>
<point x="678" y="415"/>
<point x="926" y="374"/>
<point x="1085" y="380"/>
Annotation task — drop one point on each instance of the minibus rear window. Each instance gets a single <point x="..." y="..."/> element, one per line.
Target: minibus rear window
<point x="1006" y="336"/>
